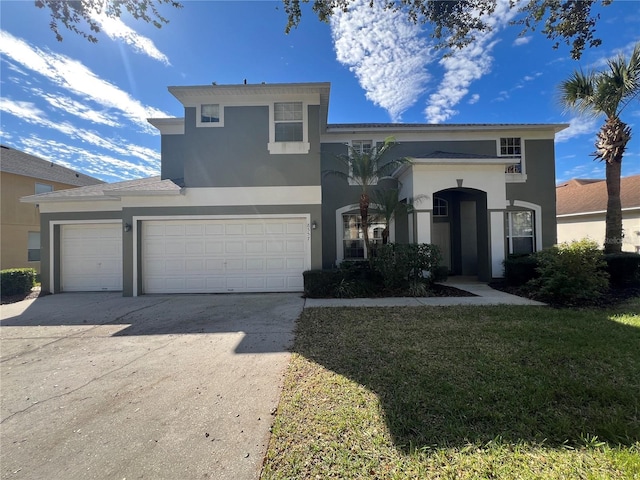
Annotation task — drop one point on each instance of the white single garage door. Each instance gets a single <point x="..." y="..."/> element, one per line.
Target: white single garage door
<point x="91" y="257"/>
<point x="224" y="255"/>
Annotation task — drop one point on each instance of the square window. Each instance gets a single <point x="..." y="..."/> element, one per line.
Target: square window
<point x="210" y="113"/>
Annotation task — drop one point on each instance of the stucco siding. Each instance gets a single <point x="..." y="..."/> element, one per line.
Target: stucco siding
<point x="540" y="187"/>
<point x="593" y="227"/>
<point x="237" y="154"/>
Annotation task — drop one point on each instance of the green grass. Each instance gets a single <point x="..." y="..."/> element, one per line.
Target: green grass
<point x="461" y="392"/>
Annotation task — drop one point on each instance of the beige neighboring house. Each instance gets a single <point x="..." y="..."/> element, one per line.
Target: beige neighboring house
<point x="21" y="175"/>
<point x="582" y="205"/>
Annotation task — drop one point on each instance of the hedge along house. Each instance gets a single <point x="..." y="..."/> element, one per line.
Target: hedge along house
<point x="242" y="204"/>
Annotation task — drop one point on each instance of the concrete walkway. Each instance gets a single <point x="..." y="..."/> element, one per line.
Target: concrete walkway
<point x="485" y="295"/>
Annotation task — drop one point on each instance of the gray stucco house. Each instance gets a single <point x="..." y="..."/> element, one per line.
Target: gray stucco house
<point x="241" y="204"/>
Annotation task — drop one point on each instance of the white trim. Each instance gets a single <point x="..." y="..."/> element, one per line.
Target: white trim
<point x="284" y="148"/>
<point x="595" y="212"/>
<point x="168" y="126"/>
<point x="142" y="218"/>
<point x="423" y="230"/>
<point x="52" y="224"/>
<point x="497" y="243"/>
<point x="231" y="196"/>
<point x="537" y="216"/>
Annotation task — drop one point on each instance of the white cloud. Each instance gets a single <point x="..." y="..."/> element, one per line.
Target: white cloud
<point x="521" y="41"/>
<point x="466" y="65"/>
<point x="115" y="29"/>
<point x="474" y="99"/>
<point x="74" y="77"/>
<point x="386" y="53"/>
<point x="577" y="126"/>
<point x="78" y="109"/>
<point x="144" y="161"/>
<point x="105" y="167"/>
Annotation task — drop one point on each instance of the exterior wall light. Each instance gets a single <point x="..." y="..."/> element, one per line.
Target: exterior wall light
<point x="314" y="225"/>
<point x="127" y="227"/>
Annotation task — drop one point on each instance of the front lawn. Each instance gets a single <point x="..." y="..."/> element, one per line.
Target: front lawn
<point x="461" y="392"/>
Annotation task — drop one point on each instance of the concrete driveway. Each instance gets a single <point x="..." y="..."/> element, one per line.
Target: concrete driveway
<point x="155" y="387"/>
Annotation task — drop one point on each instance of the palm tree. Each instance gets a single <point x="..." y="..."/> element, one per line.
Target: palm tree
<point x="608" y="93"/>
<point x="387" y="206"/>
<point x="365" y="168"/>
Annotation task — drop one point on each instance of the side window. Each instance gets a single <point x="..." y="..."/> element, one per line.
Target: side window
<point x="288" y="121"/>
<point x="33" y="247"/>
<point x="520" y="232"/>
<point x="43" y="188"/>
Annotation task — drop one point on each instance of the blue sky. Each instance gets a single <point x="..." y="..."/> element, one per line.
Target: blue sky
<point x="85" y="105"/>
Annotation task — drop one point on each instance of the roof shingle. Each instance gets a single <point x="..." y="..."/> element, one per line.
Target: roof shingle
<point x="590" y="195"/>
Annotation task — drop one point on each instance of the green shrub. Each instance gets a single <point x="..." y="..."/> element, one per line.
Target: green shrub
<point x="519" y="269"/>
<point x="623" y="268"/>
<point x="570" y="274"/>
<point x="17" y="281"/>
<point x="321" y="283"/>
<point x="399" y="265"/>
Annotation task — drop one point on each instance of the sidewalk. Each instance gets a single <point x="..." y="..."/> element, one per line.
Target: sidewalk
<point x="485" y="295"/>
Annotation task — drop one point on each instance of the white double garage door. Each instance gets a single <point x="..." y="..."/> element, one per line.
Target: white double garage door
<point x="191" y="256"/>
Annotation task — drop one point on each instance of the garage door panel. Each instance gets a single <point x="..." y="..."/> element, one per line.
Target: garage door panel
<point x="255" y="229"/>
<point x="224" y="255"/>
<point x="91" y="257"/>
<point x="234" y="229"/>
<point x="234" y="246"/>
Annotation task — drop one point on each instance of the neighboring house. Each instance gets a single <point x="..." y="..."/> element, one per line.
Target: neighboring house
<point x="23" y="174"/>
<point x="582" y="208"/>
<point x="242" y="204"/>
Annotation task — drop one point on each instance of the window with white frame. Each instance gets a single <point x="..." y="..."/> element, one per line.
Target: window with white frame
<point x="520" y="231"/>
<point x="512" y="147"/>
<point x="288" y="120"/>
<point x="440" y="207"/>
<point x="33" y="247"/>
<point x="43" y="188"/>
<point x="353" y="236"/>
<point x="210" y="113"/>
<point x="359" y="147"/>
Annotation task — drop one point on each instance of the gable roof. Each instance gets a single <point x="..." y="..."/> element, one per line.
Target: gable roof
<point x="21" y="163"/>
<point x="580" y="196"/>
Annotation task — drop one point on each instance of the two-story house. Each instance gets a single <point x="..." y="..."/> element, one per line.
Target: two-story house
<point x="22" y="174"/>
<point x="242" y="204"/>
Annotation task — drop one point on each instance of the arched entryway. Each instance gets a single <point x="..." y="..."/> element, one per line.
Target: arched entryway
<point x="460" y="227"/>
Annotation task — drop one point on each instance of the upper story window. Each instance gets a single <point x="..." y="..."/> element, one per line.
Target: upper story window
<point x="288" y="121"/>
<point x="360" y="147"/>
<point x="440" y="207"/>
<point x="43" y="188"/>
<point x="513" y="147"/>
<point x="288" y="130"/>
<point x="210" y="115"/>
